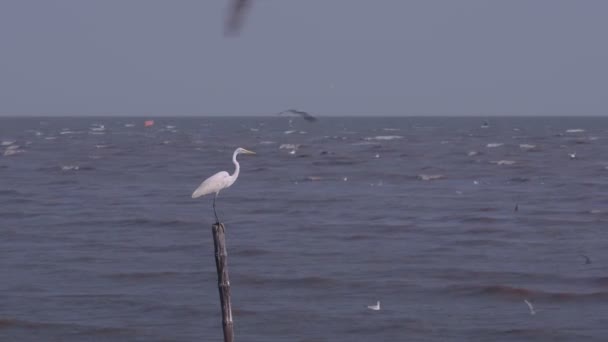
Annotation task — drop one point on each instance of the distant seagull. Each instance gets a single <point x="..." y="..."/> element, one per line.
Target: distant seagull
<point x="587" y="259"/>
<point x="572" y="155"/>
<point x="305" y="115"/>
<point x="374" y="307"/>
<point x="532" y="312"/>
<point x="236" y="15"/>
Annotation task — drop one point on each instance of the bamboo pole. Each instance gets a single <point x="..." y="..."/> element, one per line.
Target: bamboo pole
<point x="223" y="283"/>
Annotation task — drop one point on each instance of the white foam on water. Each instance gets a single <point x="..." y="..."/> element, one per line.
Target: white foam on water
<point x="527" y="146"/>
<point x="288" y="147"/>
<point x="12" y="152"/>
<point x="384" y="137"/>
<point x="69" y="167"/>
<point x="503" y="162"/>
<point x="374" y="307"/>
<point x="492" y="145"/>
<point x="426" y="177"/>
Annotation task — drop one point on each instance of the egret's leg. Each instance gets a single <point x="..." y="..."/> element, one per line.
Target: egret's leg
<point x="214" y="212"/>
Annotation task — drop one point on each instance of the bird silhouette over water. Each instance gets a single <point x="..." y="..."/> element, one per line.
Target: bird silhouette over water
<point x="305" y="115"/>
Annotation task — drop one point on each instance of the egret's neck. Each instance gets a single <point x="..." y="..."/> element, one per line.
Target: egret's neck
<point x="237" y="167"/>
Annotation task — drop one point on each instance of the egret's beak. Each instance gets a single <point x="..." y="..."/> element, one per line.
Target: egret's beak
<point x="248" y="152"/>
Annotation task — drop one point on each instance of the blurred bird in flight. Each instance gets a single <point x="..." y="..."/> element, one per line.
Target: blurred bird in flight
<point x="236" y="14"/>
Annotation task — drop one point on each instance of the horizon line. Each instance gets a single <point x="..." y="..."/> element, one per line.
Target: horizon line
<point x="319" y="116"/>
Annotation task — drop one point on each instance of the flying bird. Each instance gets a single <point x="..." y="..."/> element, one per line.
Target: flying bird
<point x="236" y="15"/>
<point x="532" y="312"/>
<point x="305" y="115"/>
<point x="220" y="180"/>
<point x="374" y="307"/>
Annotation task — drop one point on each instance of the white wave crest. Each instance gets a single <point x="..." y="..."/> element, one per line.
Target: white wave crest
<point x="503" y="162"/>
<point x="425" y="177"/>
<point x="69" y="167"/>
<point x="492" y="145"/>
<point x="384" y="137"/>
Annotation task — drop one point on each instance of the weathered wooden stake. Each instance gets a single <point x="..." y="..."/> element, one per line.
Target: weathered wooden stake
<point x="223" y="283"/>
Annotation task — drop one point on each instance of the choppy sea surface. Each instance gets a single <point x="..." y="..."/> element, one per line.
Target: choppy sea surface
<point x="451" y="223"/>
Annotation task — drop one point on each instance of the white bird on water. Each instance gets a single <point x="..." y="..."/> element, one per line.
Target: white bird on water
<point x="374" y="307"/>
<point x="220" y="180"/>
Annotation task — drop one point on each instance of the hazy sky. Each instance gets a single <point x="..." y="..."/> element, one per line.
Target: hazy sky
<point x="330" y="57"/>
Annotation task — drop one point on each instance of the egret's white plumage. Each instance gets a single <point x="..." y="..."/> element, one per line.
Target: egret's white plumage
<point x="215" y="183"/>
<point x="220" y="180"/>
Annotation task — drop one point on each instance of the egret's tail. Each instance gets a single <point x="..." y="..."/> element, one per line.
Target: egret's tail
<point x="197" y="193"/>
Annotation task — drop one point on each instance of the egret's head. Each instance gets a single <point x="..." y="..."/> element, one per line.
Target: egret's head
<point x="243" y="151"/>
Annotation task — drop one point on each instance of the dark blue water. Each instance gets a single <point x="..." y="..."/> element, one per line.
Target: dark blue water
<point x="101" y="241"/>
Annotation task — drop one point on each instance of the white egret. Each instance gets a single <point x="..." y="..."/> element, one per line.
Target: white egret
<point x="220" y="180"/>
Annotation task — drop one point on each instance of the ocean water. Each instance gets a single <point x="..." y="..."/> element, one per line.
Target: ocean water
<point x="101" y="241"/>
